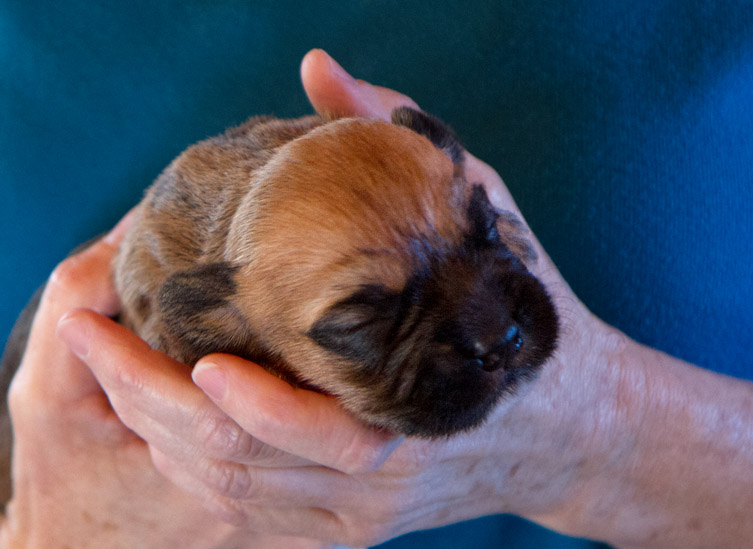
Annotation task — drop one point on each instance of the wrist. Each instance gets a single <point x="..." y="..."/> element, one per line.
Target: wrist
<point x="601" y="402"/>
<point x="669" y="463"/>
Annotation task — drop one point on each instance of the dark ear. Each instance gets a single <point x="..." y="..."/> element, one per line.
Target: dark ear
<point x="482" y="217"/>
<point x="359" y="327"/>
<point x="197" y="314"/>
<point x="432" y="128"/>
<point x="489" y="225"/>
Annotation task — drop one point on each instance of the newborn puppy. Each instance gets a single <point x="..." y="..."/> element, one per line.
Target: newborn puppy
<point x="348" y="256"/>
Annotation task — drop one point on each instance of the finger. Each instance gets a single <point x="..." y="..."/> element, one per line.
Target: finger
<point x="300" y="519"/>
<point x="313" y="486"/>
<point x="332" y="91"/>
<point x="155" y="397"/>
<point x="296" y="421"/>
<point x="83" y="280"/>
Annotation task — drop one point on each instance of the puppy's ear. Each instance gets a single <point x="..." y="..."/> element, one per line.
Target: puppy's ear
<point x="482" y="217"/>
<point x="197" y="315"/>
<point x="432" y="128"/>
<point x="489" y="225"/>
<point x="360" y="326"/>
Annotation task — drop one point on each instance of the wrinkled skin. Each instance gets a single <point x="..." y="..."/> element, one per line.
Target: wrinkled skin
<point x="614" y="441"/>
<point x="81" y="478"/>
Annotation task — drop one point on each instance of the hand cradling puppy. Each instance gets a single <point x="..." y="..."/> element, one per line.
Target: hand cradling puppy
<point x="347" y="256"/>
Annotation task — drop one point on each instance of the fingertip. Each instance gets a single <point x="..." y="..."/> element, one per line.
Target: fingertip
<point x="90" y="335"/>
<point x="334" y="92"/>
<point x="318" y="63"/>
<point x="211" y="379"/>
<point x="310" y="65"/>
<point x="315" y="62"/>
<point x="301" y="422"/>
<point x="80" y="327"/>
<point x="330" y="89"/>
<point x="116" y="234"/>
<point x="73" y="333"/>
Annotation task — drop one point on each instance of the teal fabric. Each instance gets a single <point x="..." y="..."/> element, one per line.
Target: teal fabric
<point x="624" y="131"/>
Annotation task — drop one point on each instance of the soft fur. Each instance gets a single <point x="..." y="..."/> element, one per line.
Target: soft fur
<point x="349" y="256"/>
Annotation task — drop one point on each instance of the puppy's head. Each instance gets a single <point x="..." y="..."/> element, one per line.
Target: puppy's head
<point x="377" y="273"/>
<point x="433" y="357"/>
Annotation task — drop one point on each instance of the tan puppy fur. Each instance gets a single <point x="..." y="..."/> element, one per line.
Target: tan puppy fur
<point x="349" y="256"/>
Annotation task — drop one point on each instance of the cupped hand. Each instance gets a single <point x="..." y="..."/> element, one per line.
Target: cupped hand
<point x="270" y="458"/>
<point x="80" y="477"/>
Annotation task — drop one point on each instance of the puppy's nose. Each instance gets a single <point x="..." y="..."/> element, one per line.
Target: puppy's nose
<point x="500" y="352"/>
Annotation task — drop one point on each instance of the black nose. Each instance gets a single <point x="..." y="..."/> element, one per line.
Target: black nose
<point x="498" y="355"/>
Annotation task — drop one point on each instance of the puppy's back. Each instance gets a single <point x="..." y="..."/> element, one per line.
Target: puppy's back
<point x="186" y="214"/>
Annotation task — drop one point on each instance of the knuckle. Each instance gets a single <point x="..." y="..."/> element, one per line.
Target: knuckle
<point x="28" y="404"/>
<point x="77" y="271"/>
<point x="20" y="399"/>
<point x="227" y="510"/>
<point x="125" y="380"/>
<point x="223" y="438"/>
<point x="229" y="480"/>
<point x="15" y="394"/>
<point x="69" y="274"/>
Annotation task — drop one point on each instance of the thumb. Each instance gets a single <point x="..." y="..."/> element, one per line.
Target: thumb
<point x="297" y="421"/>
<point x="332" y="91"/>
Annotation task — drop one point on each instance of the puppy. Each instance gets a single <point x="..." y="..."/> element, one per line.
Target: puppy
<point x="347" y="256"/>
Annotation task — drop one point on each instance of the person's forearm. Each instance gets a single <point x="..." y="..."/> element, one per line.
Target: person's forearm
<point x="681" y="473"/>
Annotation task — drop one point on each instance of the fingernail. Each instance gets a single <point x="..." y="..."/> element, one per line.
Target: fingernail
<point x="210" y="379"/>
<point x="73" y="336"/>
<point x="339" y="72"/>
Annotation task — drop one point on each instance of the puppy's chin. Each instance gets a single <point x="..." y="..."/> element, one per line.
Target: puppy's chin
<point x="435" y="359"/>
<point x="450" y="394"/>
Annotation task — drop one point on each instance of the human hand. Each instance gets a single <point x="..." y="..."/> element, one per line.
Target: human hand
<point x="80" y="477"/>
<point x="615" y="441"/>
<point x="292" y="462"/>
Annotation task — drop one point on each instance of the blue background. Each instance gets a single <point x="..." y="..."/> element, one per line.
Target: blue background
<point x="624" y="131"/>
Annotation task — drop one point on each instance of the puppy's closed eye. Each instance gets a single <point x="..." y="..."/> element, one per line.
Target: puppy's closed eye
<point x="350" y="256"/>
<point x="360" y="326"/>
